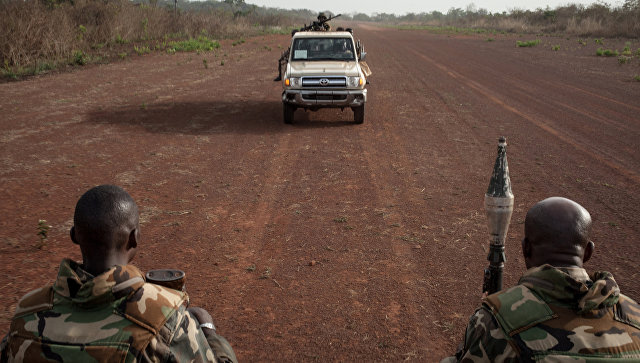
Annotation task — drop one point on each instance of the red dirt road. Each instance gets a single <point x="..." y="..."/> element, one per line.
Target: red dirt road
<point x="324" y="239"/>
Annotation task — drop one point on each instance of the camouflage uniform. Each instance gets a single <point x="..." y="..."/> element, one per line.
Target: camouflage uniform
<point x="552" y="315"/>
<point x="115" y="316"/>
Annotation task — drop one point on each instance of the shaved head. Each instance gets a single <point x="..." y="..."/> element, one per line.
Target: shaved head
<point x="105" y="221"/>
<point x="557" y="232"/>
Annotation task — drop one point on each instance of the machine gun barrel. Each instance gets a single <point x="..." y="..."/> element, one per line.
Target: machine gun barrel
<point x="498" y="204"/>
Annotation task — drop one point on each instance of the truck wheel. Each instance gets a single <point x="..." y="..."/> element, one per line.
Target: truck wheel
<point x="287" y="111"/>
<point x="358" y="114"/>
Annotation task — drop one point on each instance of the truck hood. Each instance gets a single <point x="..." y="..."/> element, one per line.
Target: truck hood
<point x="299" y="69"/>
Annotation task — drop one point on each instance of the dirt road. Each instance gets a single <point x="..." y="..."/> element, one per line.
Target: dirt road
<point x="325" y="239"/>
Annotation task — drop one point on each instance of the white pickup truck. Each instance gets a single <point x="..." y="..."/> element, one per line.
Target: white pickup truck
<point x="325" y="69"/>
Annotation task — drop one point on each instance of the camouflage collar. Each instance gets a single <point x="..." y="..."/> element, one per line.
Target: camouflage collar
<point x="568" y="287"/>
<point x="82" y="288"/>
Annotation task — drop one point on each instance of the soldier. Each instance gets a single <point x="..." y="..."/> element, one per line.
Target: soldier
<point x="557" y="311"/>
<point x="321" y="24"/>
<point x="284" y="58"/>
<point x="102" y="309"/>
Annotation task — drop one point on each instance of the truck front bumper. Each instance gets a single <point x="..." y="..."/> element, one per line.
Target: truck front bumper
<point x="320" y="99"/>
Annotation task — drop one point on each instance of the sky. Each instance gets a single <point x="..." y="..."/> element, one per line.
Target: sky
<point x="401" y="7"/>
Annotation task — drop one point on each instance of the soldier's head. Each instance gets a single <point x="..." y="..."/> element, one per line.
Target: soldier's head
<point x="556" y="232"/>
<point x="106" y="227"/>
<point x="322" y="17"/>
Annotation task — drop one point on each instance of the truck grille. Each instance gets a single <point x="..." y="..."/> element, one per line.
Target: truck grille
<point x="324" y="97"/>
<point x="329" y="82"/>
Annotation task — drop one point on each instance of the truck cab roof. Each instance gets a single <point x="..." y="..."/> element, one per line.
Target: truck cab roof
<point x="329" y="34"/>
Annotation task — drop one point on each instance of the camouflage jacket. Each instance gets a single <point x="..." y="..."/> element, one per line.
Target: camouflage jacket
<point x="552" y="315"/>
<point x="113" y="317"/>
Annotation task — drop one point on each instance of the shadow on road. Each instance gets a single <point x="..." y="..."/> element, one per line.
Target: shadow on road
<point x="201" y="118"/>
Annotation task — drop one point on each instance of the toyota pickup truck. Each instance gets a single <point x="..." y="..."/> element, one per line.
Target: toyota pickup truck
<point x="325" y="69"/>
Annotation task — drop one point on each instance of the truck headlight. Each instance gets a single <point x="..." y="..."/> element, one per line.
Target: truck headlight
<point x="354" y="81"/>
<point x="293" y="82"/>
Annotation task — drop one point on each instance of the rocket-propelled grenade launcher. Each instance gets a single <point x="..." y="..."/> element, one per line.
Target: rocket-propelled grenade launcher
<point x="498" y="203"/>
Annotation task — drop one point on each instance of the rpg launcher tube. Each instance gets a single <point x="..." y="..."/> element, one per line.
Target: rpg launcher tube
<point x="498" y="204"/>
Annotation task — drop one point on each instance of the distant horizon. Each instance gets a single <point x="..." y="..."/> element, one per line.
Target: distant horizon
<point x="402" y="7"/>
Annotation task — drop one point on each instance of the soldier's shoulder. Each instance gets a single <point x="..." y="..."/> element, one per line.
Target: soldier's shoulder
<point x="152" y="305"/>
<point x="35" y="300"/>
<point x="627" y="311"/>
<point x="518" y="308"/>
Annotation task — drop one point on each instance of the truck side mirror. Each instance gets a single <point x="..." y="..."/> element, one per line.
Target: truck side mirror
<point x="363" y="55"/>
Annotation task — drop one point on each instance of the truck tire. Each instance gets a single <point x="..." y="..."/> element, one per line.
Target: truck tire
<point x="358" y="114"/>
<point x="287" y="111"/>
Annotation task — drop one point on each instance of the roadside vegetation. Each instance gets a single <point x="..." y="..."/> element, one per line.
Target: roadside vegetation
<point x="42" y="35"/>
<point x="596" y="20"/>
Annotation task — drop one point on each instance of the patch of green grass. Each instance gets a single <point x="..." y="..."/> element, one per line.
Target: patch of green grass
<point x="82" y="30"/>
<point x="222" y="63"/>
<point x="43" y="67"/>
<point x="143" y="49"/>
<point x="238" y="42"/>
<point x="120" y="40"/>
<point x="606" y="52"/>
<point x="122" y="55"/>
<point x="599" y="41"/>
<point x="201" y="43"/>
<point x="637" y="77"/>
<point x="555" y="48"/>
<point x="204" y="62"/>
<point x="80" y="58"/>
<point x="277" y="30"/>
<point x="340" y="220"/>
<point x="582" y="42"/>
<point x="266" y="47"/>
<point x="15" y="73"/>
<point x="9" y="73"/>
<point x="624" y="59"/>
<point x="627" y="49"/>
<point x="530" y="43"/>
<point x="490" y="39"/>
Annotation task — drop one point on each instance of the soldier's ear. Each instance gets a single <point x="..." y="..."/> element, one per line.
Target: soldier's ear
<point x="72" y="234"/>
<point x="588" y="251"/>
<point x="133" y="239"/>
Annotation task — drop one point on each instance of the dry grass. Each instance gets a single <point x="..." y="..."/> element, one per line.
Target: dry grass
<point x="585" y="27"/>
<point x="40" y="36"/>
<point x="598" y="19"/>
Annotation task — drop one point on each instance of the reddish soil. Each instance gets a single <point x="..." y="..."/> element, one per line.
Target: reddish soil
<point x="324" y="239"/>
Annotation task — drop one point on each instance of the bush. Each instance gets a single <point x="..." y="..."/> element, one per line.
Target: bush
<point x="624" y="59"/>
<point x="80" y="58"/>
<point x="606" y="52"/>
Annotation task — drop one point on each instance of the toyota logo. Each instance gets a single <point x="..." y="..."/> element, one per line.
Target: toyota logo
<point x="324" y="82"/>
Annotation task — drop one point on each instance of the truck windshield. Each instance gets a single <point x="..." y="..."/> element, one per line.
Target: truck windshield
<point x="322" y="49"/>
